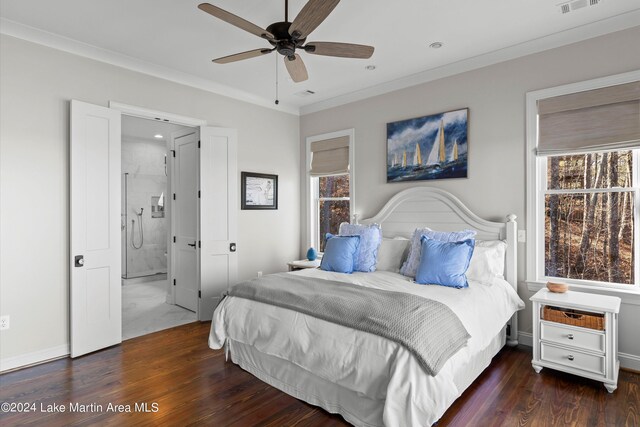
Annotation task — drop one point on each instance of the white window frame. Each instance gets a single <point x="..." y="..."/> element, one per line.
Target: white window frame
<point x="537" y="189"/>
<point x="313" y="233"/>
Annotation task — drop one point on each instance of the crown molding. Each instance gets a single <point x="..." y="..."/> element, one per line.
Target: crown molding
<point x="573" y="35"/>
<point x="55" y="41"/>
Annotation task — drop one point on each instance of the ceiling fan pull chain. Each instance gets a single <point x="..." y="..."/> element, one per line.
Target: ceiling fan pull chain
<point x="277" y="101"/>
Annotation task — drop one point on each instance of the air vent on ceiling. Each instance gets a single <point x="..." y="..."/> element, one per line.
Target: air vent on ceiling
<point x="576" y="4"/>
<point x="305" y="93"/>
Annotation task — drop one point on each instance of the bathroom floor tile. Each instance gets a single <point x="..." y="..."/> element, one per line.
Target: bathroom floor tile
<point x="144" y="309"/>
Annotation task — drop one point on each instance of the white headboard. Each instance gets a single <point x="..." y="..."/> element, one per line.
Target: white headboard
<point x="440" y="210"/>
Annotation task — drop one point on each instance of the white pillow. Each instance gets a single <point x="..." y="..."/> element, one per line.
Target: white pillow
<point x="487" y="261"/>
<point x="391" y="254"/>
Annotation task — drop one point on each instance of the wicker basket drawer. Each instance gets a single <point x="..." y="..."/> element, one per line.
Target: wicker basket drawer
<point x="583" y="319"/>
<point x="573" y="337"/>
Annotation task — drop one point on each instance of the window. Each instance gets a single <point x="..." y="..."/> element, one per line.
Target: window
<point x="583" y="183"/>
<point x="332" y="205"/>
<point x="589" y="217"/>
<point x="330" y="174"/>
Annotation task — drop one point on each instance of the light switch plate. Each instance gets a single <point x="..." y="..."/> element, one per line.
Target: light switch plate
<point x="522" y="236"/>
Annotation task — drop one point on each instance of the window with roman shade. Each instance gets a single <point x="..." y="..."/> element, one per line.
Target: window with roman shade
<point x="584" y="183"/>
<point x="331" y="184"/>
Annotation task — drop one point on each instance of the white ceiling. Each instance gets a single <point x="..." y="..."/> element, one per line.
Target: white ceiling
<point x="139" y="128"/>
<point x="176" y="37"/>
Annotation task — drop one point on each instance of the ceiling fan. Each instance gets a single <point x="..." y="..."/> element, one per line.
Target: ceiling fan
<point x="286" y="37"/>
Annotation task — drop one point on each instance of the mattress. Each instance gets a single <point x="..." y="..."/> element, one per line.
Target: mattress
<point x="278" y="345"/>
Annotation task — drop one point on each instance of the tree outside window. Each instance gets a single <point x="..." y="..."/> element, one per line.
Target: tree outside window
<point x="589" y="217"/>
<point x="333" y="205"/>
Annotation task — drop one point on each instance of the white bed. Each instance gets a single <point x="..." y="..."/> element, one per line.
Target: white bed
<point x="370" y="380"/>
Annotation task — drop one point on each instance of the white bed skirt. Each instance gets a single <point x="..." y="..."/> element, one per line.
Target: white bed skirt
<point x="356" y="408"/>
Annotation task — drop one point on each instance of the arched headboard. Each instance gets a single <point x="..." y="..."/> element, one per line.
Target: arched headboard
<point x="442" y="211"/>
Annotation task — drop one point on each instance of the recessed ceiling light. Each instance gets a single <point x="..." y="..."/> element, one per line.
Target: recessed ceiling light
<point x="436" y="45"/>
<point x="370" y="67"/>
<point x="158" y="136"/>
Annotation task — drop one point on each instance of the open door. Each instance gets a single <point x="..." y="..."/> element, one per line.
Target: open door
<point x="217" y="217"/>
<point x="184" y="217"/>
<point x="95" y="244"/>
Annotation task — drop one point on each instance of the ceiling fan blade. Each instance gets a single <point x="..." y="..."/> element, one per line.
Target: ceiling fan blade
<point x="311" y="15"/>
<point x="235" y="20"/>
<point x="342" y="50"/>
<point x="243" y="55"/>
<point x="296" y="69"/>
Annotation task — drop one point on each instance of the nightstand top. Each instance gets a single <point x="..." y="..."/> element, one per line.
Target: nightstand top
<point x="578" y="300"/>
<point x="305" y="263"/>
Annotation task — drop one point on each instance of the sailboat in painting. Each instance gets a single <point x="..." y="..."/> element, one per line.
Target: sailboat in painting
<point x="454" y="153"/>
<point x="438" y="150"/>
<point x="417" y="158"/>
<point x="432" y="147"/>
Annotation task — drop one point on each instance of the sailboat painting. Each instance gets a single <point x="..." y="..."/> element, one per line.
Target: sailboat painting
<point x="431" y="147"/>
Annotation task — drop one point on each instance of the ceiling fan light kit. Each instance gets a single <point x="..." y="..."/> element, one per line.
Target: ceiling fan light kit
<point x="287" y="37"/>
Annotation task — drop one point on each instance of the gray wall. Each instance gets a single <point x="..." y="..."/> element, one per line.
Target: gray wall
<point x="495" y="96"/>
<point x="37" y="83"/>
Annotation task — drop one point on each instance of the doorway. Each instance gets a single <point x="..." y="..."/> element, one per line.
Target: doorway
<point x="146" y="223"/>
<point x="98" y="223"/>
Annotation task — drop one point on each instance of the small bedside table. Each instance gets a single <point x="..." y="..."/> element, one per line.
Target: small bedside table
<point x="590" y="353"/>
<point x="302" y="264"/>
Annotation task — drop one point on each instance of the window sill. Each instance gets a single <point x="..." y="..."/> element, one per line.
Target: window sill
<point x="631" y="296"/>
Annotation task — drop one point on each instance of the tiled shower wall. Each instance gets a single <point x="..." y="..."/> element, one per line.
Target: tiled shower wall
<point x="143" y="168"/>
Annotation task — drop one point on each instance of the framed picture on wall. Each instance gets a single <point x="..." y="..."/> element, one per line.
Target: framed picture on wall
<point x="429" y="147"/>
<point x="259" y="191"/>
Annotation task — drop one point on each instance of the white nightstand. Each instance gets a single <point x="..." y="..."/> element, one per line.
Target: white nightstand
<point x="590" y="353"/>
<point x="302" y="264"/>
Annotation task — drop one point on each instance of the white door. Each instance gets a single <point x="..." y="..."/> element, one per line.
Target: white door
<point x="95" y="288"/>
<point x="185" y="207"/>
<point x="217" y="217"/>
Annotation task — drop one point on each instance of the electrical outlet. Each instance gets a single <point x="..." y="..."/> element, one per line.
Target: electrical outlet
<point x="259" y="273"/>
<point x="522" y="236"/>
<point x="4" y="322"/>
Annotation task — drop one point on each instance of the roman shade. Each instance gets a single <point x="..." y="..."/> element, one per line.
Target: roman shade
<point x="330" y="156"/>
<point x="602" y="119"/>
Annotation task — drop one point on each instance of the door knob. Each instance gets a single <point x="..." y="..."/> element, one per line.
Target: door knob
<point x="193" y="245"/>
<point x="79" y="260"/>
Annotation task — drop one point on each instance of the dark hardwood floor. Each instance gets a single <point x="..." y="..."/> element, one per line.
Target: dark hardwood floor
<point x="192" y="385"/>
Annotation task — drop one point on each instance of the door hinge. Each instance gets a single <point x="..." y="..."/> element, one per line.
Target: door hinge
<point x="198" y="144"/>
<point x="173" y="153"/>
<point x="199" y="294"/>
<point x="174" y="196"/>
<point x="199" y="243"/>
<point x="174" y="239"/>
<point x="198" y="194"/>
<point x="174" y="282"/>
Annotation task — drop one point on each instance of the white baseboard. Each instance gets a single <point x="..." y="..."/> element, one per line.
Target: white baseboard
<point x="24" y="360"/>
<point x="525" y="338"/>
<point x="628" y="361"/>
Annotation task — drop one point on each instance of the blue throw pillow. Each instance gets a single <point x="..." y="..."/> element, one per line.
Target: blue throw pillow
<point x="370" y="239"/>
<point x="340" y="253"/>
<point x="410" y="266"/>
<point x="444" y="263"/>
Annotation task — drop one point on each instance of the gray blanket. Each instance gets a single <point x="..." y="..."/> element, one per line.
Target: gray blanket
<point x="427" y="328"/>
